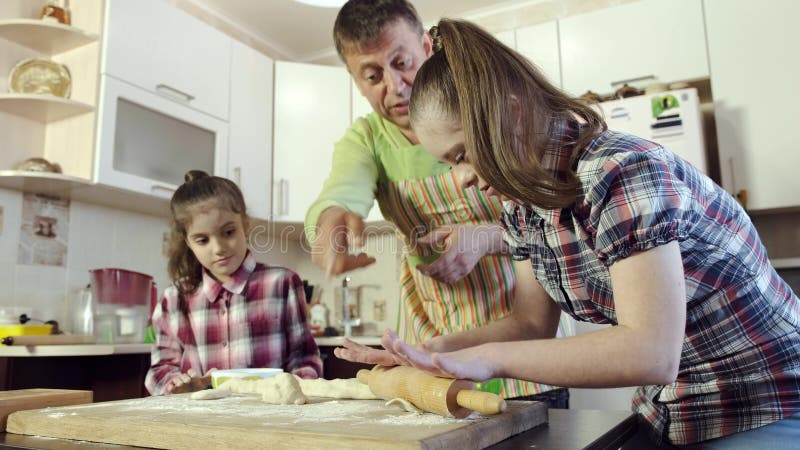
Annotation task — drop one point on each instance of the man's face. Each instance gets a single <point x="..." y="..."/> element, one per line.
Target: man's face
<point x="384" y="71"/>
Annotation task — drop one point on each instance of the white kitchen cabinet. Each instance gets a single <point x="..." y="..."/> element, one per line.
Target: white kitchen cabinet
<point x="312" y="111"/>
<point x="539" y="43"/>
<point x="146" y="143"/>
<point x="250" y="128"/>
<point x="754" y="83"/>
<point x="640" y="42"/>
<point x="157" y="47"/>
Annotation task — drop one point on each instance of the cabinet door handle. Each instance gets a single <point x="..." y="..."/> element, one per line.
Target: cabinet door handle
<point x="237" y="176"/>
<point x="174" y="94"/>
<point x="284" y="184"/>
<point x="163" y="190"/>
<point x="631" y="80"/>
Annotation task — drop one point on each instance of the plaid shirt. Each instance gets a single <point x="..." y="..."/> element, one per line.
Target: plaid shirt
<point x="255" y="319"/>
<point x="740" y="362"/>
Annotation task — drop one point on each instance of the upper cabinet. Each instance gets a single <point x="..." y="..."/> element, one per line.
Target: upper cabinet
<point x="643" y="41"/>
<point x="753" y="79"/>
<point x="250" y="128"/>
<point x="155" y="46"/>
<point x="312" y="112"/>
<point x="539" y="43"/>
<point x="164" y="98"/>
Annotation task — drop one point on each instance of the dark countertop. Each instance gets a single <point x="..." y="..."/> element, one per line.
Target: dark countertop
<point x="567" y="429"/>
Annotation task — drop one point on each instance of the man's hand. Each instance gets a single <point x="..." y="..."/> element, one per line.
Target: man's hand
<point x="337" y="230"/>
<point x="462" y="246"/>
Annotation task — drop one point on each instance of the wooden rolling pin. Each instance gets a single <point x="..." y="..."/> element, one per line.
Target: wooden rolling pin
<point x="443" y="396"/>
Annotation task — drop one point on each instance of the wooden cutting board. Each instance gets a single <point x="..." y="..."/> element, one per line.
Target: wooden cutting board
<point x="246" y="422"/>
<point x="21" y="399"/>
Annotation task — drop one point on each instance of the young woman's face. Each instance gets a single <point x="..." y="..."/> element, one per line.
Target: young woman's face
<point x="445" y="141"/>
<point x="218" y="239"/>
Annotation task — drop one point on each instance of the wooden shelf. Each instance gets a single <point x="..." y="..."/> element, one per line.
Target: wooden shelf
<point x="42" y="108"/>
<point x="46" y="37"/>
<point x="46" y="183"/>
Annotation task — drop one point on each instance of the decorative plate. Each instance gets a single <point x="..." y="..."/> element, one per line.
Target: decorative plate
<point x="40" y="76"/>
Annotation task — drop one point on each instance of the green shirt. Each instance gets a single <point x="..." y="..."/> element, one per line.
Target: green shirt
<point x="372" y="154"/>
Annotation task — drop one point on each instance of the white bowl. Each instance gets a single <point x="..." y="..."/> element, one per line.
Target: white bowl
<point x="220" y="376"/>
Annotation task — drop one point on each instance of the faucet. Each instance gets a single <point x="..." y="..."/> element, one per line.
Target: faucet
<point x="347" y="321"/>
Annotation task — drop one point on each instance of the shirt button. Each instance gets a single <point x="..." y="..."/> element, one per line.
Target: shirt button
<point x="224" y="343"/>
<point x="224" y="311"/>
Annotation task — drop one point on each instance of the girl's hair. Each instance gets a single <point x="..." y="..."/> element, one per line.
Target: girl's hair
<point x="471" y="78"/>
<point x="198" y="187"/>
<point x="361" y="22"/>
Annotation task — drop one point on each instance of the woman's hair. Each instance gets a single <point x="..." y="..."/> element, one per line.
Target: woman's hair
<point x="361" y="22"/>
<point x="198" y="187"/>
<point x="471" y="78"/>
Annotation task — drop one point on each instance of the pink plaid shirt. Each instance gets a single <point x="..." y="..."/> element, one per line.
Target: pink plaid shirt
<point x="255" y="319"/>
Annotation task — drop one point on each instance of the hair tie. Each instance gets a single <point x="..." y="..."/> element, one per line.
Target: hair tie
<point x="437" y="39"/>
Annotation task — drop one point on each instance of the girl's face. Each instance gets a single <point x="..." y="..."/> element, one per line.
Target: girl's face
<point x="445" y="141"/>
<point x="218" y="239"/>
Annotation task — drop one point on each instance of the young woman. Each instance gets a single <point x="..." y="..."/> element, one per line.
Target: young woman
<point x="618" y="230"/>
<point x="225" y="310"/>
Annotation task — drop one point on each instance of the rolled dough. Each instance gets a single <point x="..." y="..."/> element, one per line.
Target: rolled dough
<point x="281" y="389"/>
<point x="338" y="388"/>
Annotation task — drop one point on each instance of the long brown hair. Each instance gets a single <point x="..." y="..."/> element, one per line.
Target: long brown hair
<point x="472" y="78"/>
<point x="184" y="269"/>
<point x="361" y="22"/>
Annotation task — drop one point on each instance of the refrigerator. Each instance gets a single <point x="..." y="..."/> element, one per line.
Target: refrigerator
<point x="671" y="118"/>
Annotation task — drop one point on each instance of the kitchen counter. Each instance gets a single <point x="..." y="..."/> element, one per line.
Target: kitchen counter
<point x="73" y="350"/>
<point x="128" y="349"/>
<point x="566" y="429"/>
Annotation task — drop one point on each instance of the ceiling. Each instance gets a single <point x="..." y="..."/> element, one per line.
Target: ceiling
<point x="299" y="32"/>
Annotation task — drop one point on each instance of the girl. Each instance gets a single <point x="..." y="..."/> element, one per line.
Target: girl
<point x="224" y="310"/>
<point x="618" y="230"/>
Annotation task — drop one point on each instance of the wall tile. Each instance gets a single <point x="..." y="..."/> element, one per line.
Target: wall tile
<point x="11" y="202"/>
<point x="41" y="288"/>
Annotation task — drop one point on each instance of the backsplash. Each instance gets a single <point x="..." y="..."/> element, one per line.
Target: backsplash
<point x="99" y="236"/>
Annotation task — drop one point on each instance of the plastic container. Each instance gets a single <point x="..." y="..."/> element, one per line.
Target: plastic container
<point x="121" y="287"/>
<point x="220" y="376"/>
<point x="114" y="324"/>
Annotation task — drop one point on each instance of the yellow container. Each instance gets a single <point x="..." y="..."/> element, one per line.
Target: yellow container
<point x="24" y="330"/>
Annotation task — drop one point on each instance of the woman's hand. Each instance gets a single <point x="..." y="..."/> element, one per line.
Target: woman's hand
<point x="473" y="363"/>
<point x="355" y="352"/>
<point x="189" y="382"/>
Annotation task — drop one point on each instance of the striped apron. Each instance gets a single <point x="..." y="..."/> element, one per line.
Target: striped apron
<point x="429" y="307"/>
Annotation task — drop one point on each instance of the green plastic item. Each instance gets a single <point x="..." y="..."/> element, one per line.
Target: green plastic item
<point x="495" y="385"/>
<point x="150" y="335"/>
